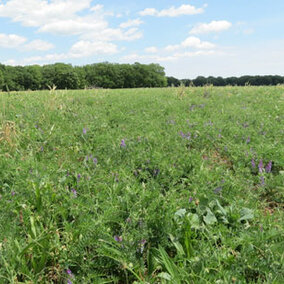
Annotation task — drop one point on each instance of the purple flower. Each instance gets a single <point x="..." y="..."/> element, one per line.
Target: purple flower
<point x="260" y="166"/>
<point x="95" y="161"/>
<point x="253" y="163"/>
<point x="190" y="199"/>
<point x="218" y="190"/>
<point x="122" y="144"/>
<point x="74" y="191"/>
<point x="69" y="272"/>
<point x="268" y="167"/>
<point x="84" y="130"/>
<point x="118" y="239"/>
<point x="78" y="177"/>
<point x="69" y="281"/>
<point x="128" y="220"/>
<point x="13" y="193"/>
<point x="41" y="148"/>
<point x="248" y="140"/>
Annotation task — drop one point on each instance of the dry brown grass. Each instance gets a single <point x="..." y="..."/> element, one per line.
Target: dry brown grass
<point x="8" y="132"/>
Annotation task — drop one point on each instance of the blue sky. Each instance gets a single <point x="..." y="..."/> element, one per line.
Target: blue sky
<point x="188" y="38"/>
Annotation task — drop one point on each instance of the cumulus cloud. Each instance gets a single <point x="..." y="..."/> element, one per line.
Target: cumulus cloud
<point x="173" y="11"/>
<point x="87" y="48"/>
<point x="214" y="26"/>
<point x="190" y="47"/>
<point x="64" y="17"/>
<point x="11" y="40"/>
<point x="38" y="45"/>
<point x="195" y="42"/>
<point x="131" y="23"/>
<point x="191" y="42"/>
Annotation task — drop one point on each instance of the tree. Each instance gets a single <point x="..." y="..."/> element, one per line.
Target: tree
<point x="173" y="82"/>
<point x="1" y="80"/>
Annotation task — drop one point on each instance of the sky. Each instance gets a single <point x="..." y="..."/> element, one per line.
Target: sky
<point x="188" y="38"/>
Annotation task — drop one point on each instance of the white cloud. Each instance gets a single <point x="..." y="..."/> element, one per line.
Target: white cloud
<point x="11" y="40"/>
<point x="173" y="11"/>
<point x="214" y="26"/>
<point x="35" y="13"/>
<point x="195" y="42"/>
<point x="191" y="42"/>
<point x="149" y="12"/>
<point x="151" y="49"/>
<point x="61" y="17"/>
<point x="39" y="45"/>
<point x="131" y="23"/>
<point x="87" y="48"/>
<point x="97" y="7"/>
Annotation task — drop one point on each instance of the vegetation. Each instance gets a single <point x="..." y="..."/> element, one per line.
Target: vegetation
<point x="110" y="76"/>
<point x="267" y="80"/>
<point x="174" y="185"/>
<point x="65" y="76"/>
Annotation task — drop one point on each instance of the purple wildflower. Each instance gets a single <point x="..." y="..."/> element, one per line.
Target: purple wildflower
<point x="248" y="140"/>
<point x="182" y="134"/>
<point x="122" y="144"/>
<point x="260" y="166"/>
<point x="268" y="167"/>
<point x="74" y="191"/>
<point x="190" y="199"/>
<point x="78" y="177"/>
<point x="84" y="130"/>
<point x="13" y="193"/>
<point x="218" y="190"/>
<point x="253" y="163"/>
<point x="95" y="161"/>
<point x="69" y="272"/>
<point x="69" y="281"/>
<point x="118" y="239"/>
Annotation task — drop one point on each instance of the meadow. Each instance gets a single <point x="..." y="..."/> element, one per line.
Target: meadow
<point x="171" y="185"/>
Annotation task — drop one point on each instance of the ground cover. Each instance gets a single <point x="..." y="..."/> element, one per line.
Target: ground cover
<point x="173" y="185"/>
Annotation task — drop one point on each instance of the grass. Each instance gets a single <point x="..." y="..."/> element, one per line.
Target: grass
<point x="168" y="185"/>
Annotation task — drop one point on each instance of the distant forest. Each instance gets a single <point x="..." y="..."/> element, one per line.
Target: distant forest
<point x="110" y="75"/>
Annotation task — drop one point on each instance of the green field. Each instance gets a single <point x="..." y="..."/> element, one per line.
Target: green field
<point x="175" y="185"/>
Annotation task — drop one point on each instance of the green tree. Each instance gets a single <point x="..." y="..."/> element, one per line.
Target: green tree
<point x="1" y="80"/>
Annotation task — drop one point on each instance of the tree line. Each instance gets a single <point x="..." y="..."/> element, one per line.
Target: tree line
<point x="266" y="80"/>
<point x="66" y="76"/>
<point x="110" y="75"/>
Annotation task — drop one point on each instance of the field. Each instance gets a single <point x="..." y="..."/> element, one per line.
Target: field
<point x="175" y="185"/>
